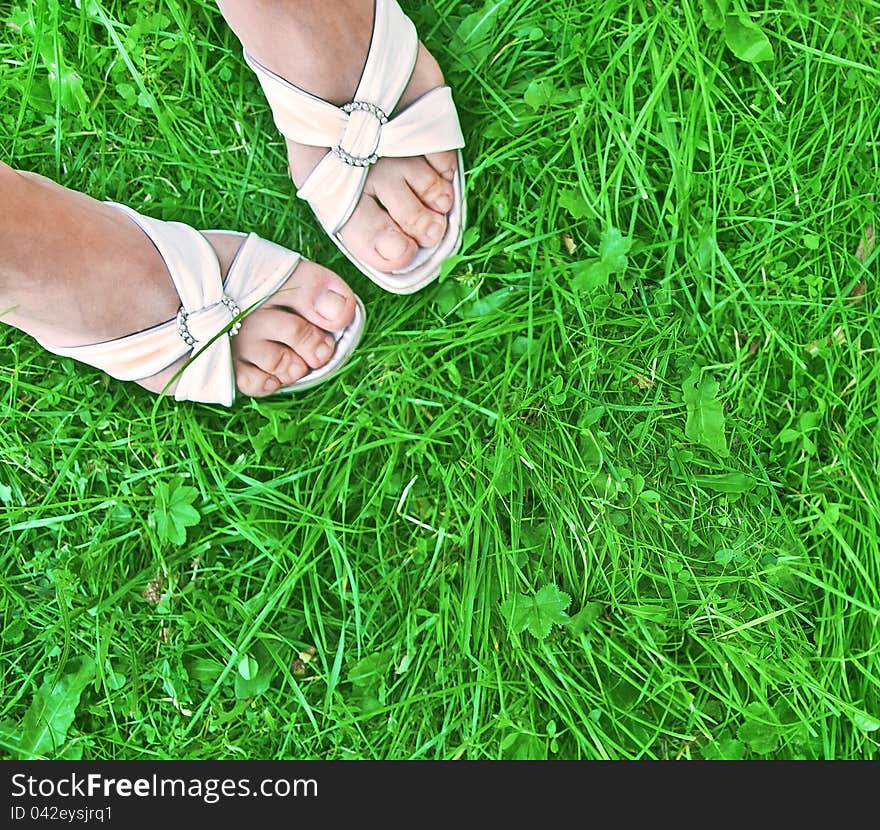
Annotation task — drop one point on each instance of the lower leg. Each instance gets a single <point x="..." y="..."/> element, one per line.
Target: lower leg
<point x="282" y="34"/>
<point x="53" y="243"/>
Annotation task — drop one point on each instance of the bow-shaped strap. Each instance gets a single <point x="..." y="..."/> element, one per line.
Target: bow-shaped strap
<point x="207" y="317"/>
<point x="361" y="132"/>
<point x="428" y="125"/>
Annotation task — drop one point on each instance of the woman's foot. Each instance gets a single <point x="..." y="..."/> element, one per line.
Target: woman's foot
<point x="75" y="271"/>
<point x="322" y="47"/>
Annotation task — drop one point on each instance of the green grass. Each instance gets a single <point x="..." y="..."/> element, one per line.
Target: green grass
<point x="512" y="429"/>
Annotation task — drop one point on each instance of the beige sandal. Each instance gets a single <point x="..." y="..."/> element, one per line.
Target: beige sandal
<point x="367" y="129"/>
<point x="210" y="315"/>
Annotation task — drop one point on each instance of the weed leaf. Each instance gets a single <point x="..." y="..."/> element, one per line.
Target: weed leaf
<point x="725" y="749"/>
<point x="45" y="724"/>
<point x="539" y="613"/>
<point x="539" y="93"/>
<point x="613" y="248"/>
<point x="760" y="732"/>
<point x="584" y="618"/>
<point x="472" y="38"/>
<point x="70" y="89"/>
<point x="589" y="275"/>
<point x="574" y="202"/>
<point x="483" y="306"/>
<point x="746" y="39"/>
<point x="65" y="85"/>
<point x="204" y="670"/>
<point x="724" y="556"/>
<point x="248" y="667"/>
<point x="174" y="512"/>
<point x="255" y="672"/>
<point x="592" y="274"/>
<point x="519" y="746"/>
<point x="367" y="678"/>
<point x="865" y="722"/>
<point x="713" y="14"/>
<point x="22" y="20"/>
<point x="705" y="417"/>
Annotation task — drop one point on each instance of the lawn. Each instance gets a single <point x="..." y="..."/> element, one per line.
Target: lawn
<point x="607" y="490"/>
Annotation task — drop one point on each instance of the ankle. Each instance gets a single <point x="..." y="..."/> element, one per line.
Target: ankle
<point x="16" y="235"/>
<point x="318" y="46"/>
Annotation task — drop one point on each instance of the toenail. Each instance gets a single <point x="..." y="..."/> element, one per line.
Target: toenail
<point x="330" y="305"/>
<point x="443" y="202"/>
<point x="391" y="244"/>
<point x="270" y="385"/>
<point x="449" y="175"/>
<point x="323" y="351"/>
<point x="434" y="231"/>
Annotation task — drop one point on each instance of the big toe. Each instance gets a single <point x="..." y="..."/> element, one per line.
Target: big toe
<point x="317" y="295"/>
<point x="294" y="332"/>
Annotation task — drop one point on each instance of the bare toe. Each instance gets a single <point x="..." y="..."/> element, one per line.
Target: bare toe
<point x="433" y="190"/>
<point x="292" y="332"/>
<point x="373" y="235"/>
<point x="280" y="343"/>
<point x="318" y="295"/>
<point x="404" y="202"/>
<point x="444" y="163"/>
<point x="416" y="203"/>
<point x="251" y="380"/>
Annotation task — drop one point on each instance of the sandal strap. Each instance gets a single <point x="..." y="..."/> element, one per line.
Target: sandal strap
<point x="428" y="125"/>
<point x="210" y="312"/>
<point x="361" y="132"/>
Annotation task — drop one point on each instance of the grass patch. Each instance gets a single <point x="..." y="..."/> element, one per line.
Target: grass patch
<point x="607" y="490"/>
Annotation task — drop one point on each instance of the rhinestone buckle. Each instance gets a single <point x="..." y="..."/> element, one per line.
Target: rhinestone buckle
<point x="183" y="315"/>
<point x="366" y="106"/>
<point x="344" y="155"/>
